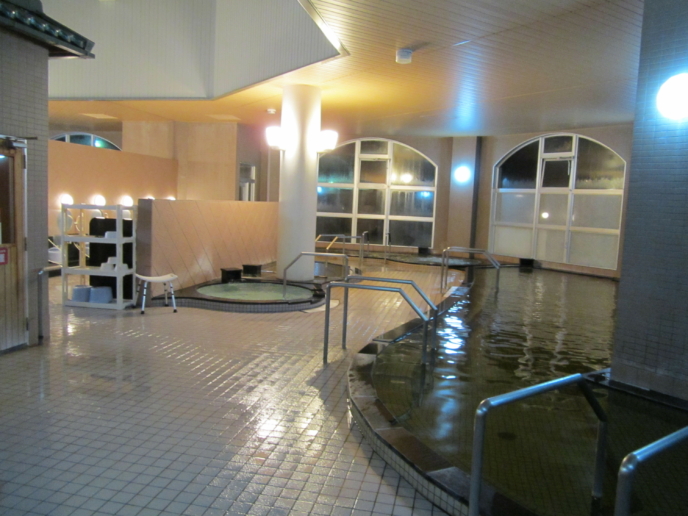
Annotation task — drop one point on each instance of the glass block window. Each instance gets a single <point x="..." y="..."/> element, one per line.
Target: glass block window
<point x="559" y="198"/>
<point x="380" y="187"/>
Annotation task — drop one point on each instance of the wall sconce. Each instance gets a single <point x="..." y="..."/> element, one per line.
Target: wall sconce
<point x="274" y="137"/>
<point x="98" y="200"/>
<point x="327" y="140"/>
<point x="126" y="200"/>
<point x="672" y="101"/>
<point x="462" y="174"/>
<point x="65" y="198"/>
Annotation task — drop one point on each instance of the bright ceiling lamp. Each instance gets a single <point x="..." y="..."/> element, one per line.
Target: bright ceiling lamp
<point x="672" y="98"/>
<point x="126" y="200"/>
<point x="327" y="140"/>
<point x="462" y="174"/>
<point x="275" y="138"/>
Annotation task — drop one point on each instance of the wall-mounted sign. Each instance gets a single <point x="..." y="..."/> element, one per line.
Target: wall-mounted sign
<point x="3" y="255"/>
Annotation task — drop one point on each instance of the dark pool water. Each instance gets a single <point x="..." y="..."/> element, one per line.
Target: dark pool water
<point x="540" y="325"/>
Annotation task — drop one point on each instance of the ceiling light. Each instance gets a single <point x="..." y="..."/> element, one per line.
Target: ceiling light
<point x="126" y="200"/>
<point x="404" y="55"/>
<point x="462" y="174"/>
<point x="98" y="200"/>
<point x="272" y="111"/>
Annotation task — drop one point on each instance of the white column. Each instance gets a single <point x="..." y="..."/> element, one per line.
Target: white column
<point x="298" y="180"/>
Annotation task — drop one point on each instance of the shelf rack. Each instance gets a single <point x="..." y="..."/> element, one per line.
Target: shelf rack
<point x="81" y="239"/>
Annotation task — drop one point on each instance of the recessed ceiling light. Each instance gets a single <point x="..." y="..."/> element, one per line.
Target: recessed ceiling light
<point x="100" y="116"/>
<point x="272" y="111"/>
<point x="230" y="118"/>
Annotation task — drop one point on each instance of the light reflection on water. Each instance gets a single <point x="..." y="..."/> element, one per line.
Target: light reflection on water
<point x="539" y="326"/>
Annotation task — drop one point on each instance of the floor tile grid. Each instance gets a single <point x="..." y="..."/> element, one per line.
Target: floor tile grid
<point x="127" y="439"/>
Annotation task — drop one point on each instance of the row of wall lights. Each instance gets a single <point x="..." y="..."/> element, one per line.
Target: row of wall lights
<point x="99" y="200"/>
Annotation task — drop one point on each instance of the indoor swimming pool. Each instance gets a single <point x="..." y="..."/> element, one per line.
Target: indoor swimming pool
<point x="539" y="453"/>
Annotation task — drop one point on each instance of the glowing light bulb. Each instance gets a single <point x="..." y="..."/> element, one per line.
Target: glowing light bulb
<point x="672" y="98"/>
<point x="98" y="200"/>
<point x="126" y="200"/>
<point x="462" y="174"/>
<point x="65" y="198"/>
<point x="406" y="178"/>
<point x="544" y="215"/>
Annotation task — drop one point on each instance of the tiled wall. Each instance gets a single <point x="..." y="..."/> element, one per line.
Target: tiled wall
<point x="651" y="346"/>
<point x="195" y="239"/>
<point x="24" y="113"/>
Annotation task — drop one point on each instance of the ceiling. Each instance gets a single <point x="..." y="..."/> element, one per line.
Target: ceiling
<point x="480" y="67"/>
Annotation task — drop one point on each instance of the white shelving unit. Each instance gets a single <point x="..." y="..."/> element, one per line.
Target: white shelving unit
<point x="81" y="214"/>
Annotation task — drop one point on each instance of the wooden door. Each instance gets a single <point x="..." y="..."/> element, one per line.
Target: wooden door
<point x="13" y="326"/>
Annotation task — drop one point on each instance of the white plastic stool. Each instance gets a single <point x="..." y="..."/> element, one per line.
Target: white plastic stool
<point x="166" y="280"/>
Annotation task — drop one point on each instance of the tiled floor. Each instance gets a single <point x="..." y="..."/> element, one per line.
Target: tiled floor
<point x="198" y="413"/>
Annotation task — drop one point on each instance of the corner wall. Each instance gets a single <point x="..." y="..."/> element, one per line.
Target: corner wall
<point x="195" y="239"/>
<point x="651" y="347"/>
<point x="24" y="113"/>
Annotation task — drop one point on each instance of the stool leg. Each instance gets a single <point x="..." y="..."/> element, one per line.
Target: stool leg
<point x="165" y="287"/>
<point x="145" y="291"/>
<point x="174" y="303"/>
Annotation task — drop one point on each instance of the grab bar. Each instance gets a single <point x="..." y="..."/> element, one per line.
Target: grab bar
<point x="347" y="286"/>
<point x="433" y="308"/>
<point x="630" y="464"/>
<point x="40" y="272"/>
<point x="444" y="272"/>
<point x="388" y="245"/>
<point x="521" y="394"/>
<point x="305" y="253"/>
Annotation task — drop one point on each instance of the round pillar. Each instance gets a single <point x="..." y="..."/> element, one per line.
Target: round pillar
<point x="298" y="180"/>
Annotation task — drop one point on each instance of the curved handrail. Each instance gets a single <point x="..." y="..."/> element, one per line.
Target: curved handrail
<point x="630" y="464"/>
<point x="444" y="273"/>
<point x="521" y="394"/>
<point x="307" y="253"/>
<point x="433" y="308"/>
<point x="347" y="286"/>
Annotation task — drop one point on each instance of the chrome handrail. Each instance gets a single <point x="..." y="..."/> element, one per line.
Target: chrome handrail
<point x="510" y="397"/>
<point x="630" y="464"/>
<point x="347" y="286"/>
<point x="307" y="253"/>
<point x="433" y="308"/>
<point x="444" y="272"/>
<point x="40" y="272"/>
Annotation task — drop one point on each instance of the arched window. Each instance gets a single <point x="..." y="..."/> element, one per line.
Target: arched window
<point x="92" y="140"/>
<point x="379" y="186"/>
<point x="558" y="198"/>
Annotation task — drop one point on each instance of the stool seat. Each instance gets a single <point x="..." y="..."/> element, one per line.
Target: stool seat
<point x="166" y="280"/>
<point x="157" y="279"/>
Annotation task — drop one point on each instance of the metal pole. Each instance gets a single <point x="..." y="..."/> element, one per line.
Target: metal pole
<point x="346" y="314"/>
<point x="327" y="323"/>
<point x="425" y="342"/>
<point x="477" y="457"/>
<point x="360" y="255"/>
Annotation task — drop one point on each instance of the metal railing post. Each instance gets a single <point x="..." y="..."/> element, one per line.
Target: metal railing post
<point x="327" y="323"/>
<point x="434" y="311"/>
<point x="344" y="257"/>
<point x="444" y="273"/>
<point x="345" y="316"/>
<point x="504" y="399"/>
<point x="347" y="286"/>
<point x="630" y="464"/>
